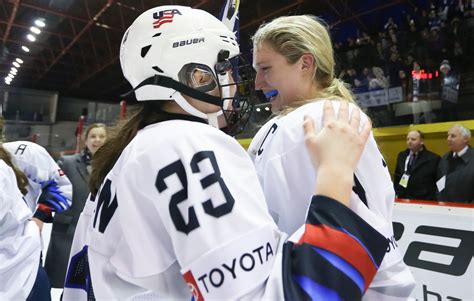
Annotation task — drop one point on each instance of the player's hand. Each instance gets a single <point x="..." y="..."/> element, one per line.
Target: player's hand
<point x="336" y="149"/>
<point x="339" y="142"/>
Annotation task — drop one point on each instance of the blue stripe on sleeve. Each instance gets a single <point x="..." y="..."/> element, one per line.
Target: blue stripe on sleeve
<point x="315" y="290"/>
<point x="343" y="266"/>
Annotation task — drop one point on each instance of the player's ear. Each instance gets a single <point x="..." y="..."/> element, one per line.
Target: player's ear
<point x="307" y="61"/>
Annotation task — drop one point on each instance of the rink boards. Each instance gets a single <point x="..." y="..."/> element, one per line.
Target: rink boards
<point x="437" y="243"/>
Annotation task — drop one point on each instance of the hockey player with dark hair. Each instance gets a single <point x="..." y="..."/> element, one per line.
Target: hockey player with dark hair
<point x="176" y="210"/>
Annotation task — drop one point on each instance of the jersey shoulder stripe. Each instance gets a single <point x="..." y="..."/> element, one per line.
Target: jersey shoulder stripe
<point x="346" y="250"/>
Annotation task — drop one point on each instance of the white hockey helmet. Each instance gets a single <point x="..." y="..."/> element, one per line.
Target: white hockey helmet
<point x="165" y="44"/>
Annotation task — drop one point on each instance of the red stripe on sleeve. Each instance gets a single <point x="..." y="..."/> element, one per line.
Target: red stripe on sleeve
<point x="44" y="208"/>
<point x="342" y="245"/>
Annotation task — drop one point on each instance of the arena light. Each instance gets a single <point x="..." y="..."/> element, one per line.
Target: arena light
<point x="10" y="76"/>
<point x="16" y="64"/>
<point x="31" y="37"/>
<point x="40" y="23"/>
<point x="35" y="30"/>
<point x="25" y="49"/>
<point x="20" y="61"/>
<point x="14" y="70"/>
<point x="11" y="73"/>
<point x="7" y="82"/>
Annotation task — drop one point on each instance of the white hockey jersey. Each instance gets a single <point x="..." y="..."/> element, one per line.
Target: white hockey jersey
<point x="287" y="176"/>
<point x="179" y="192"/>
<point x="40" y="168"/>
<point x="188" y="205"/>
<point x="20" y="244"/>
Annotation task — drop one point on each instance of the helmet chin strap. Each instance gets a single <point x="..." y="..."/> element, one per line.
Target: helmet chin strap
<point x="186" y="106"/>
<point x="212" y="118"/>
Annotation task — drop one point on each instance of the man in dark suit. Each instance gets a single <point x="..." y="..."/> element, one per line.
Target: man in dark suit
<point x="456" y="168"/>
<point x="416" y="171"/>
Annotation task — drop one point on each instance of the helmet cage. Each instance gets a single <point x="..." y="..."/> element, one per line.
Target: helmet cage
<point x="244" y="98"/>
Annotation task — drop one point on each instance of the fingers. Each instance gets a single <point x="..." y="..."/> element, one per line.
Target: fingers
<point x="365" y="133"/>
<point x="329" y="114"/>
<point x="355" y="119"/>
<point x="308" y="126"/>
<point x="343" y="111"/>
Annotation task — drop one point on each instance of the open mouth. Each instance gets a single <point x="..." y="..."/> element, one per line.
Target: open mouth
<point x="270" y="95"/>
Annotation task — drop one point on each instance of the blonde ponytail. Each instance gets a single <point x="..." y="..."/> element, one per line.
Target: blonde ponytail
<point x="337" y="90"/>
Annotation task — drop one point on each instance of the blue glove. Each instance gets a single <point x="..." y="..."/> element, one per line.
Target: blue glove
<point x="53" y="198"/>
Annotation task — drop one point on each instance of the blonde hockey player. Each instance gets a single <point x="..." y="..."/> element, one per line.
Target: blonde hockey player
<point x="294" y="56"/>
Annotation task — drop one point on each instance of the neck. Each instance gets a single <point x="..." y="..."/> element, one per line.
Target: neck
<point x="415" y="151"/>
<point x="313" y="90"/>
<point x="460" y="149"/>
<point x="173" y="107"/>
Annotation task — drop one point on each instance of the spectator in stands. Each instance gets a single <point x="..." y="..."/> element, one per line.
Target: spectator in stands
<point x="349" y="76"/>
<point x="379" y="52"/>
<point x="449" y="91"/>
<point x="77" y="168"/>
<point x="393" y="36"/>
<point x="456" y="168"/>
<point x="421" y="108"/>
<point x="379" y="81"/>
<point x="423" y="19"/>
<point x="412" y="36"/>
<point x="416" y="171"/>
<point x="434" y="22"/>
<point x="408" y="20"/>
<point x="458" y="54"/>
<point x="363" y="80"/>
<point x="435" y="46"/>
<point x="390" y="25"/>
<point x="394" y="66"/>
<point x="443" y="10"/>
<point x="405" y="84"/>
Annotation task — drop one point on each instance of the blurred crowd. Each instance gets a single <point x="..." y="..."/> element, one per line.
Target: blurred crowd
<point x="411" y="51"/>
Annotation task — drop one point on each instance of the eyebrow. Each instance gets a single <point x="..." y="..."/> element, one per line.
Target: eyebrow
<point x="261" y="63"/>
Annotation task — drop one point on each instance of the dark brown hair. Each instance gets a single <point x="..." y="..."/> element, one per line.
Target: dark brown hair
<point x="143" y="114"/>
<point x="94" y="126"/>
<point x="21" y="179"/>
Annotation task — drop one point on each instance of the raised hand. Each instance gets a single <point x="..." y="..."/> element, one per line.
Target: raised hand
<point x="336" y="149"/>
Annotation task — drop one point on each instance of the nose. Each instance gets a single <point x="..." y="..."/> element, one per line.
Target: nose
<point x="259" y="81"/>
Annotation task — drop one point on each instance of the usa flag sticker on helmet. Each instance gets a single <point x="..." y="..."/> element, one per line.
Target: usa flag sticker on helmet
<point x="164" y="16"/>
